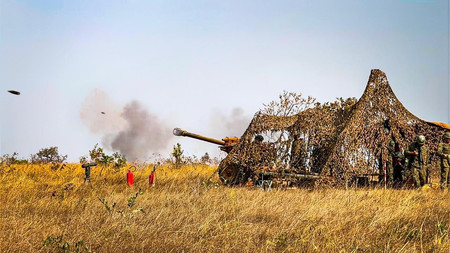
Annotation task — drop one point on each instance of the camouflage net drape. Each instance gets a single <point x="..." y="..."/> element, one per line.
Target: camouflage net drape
<point x="338" y="139"/>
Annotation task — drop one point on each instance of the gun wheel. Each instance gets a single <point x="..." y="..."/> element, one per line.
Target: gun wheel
<point x="229" y="174"/>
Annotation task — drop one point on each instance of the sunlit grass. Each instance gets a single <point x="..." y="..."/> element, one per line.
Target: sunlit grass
<point x="46" y="210"/>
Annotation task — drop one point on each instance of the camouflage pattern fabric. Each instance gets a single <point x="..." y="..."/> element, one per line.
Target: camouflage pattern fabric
<point x="417" y="163"/>
<point x="341" y="138"/>
<point x="388" y="158"/>
<point x="87" y="174"/>
<point x="444" y="153"/>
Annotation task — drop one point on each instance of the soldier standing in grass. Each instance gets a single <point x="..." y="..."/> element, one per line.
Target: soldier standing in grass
<point x="387" y="154"/>
<point x="388" y="158"/>
<point x="87" y="171"/>
<point x="444" y="152"/>
<point x="418" y="161"/>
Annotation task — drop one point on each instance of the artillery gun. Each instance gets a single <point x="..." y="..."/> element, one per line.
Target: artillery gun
<point x="257" y="169"/>
<point x="226" y="144"/>
<point x="227" y="174"/>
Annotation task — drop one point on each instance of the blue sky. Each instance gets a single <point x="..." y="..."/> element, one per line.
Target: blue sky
<point x="207" y="66"/>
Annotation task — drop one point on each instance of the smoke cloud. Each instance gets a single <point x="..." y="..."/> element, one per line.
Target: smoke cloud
<point x="144" y="134"/>
<point x="131" y="130"/>
<point x="98" y="123"/>
<point x="233" y="124"/>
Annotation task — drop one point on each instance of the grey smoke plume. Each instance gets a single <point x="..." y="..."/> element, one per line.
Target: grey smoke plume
<point x="233" y="124"/>
<point x="91" y="113"/>
<point x="145" y="133"/>
<point x="131" y="130"/>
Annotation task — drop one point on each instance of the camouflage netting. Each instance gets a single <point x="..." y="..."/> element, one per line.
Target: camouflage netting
<point x="338" y="139"/>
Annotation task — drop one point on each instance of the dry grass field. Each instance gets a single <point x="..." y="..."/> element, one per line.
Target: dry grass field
<point x="43" y="210"/>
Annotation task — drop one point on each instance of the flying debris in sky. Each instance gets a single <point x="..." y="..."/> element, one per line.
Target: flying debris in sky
<point x="14" y="92"/>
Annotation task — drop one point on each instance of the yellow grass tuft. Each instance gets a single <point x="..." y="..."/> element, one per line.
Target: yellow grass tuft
<point x="47" y="210"/>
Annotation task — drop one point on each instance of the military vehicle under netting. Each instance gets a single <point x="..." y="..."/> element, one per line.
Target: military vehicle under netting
<point x="339" y="143"/>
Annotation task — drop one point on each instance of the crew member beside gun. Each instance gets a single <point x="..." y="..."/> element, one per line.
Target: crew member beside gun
<point x="444" y="153"/>
<point x="418" y="161"/>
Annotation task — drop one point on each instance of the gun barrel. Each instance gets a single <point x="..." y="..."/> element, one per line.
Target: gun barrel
<point x="181" y="132"/>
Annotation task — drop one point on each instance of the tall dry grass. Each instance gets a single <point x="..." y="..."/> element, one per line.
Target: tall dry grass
<point x="43" y="210"/>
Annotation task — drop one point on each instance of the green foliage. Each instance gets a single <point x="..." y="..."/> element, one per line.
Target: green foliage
<point x="131" y="202"/>
<point x="119" y="160"/>
<point x="105" y="203"/>
<point x="106" y="160"/>
<point x="48" y="155"/>
<point x="442" y="229"/>
<point x="60" y="245"/>
<point x="281" y="241"/>
<point x="210" y="184"/>
<point x="132" y="199"/>
<point x="98" y="155"/>
<point x="177" y="153"/>
<point x="12" y="159"/>
<point x="83" y="160"/>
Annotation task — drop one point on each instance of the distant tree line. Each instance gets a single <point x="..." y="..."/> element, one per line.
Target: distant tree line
<point x="97" y="154"/>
